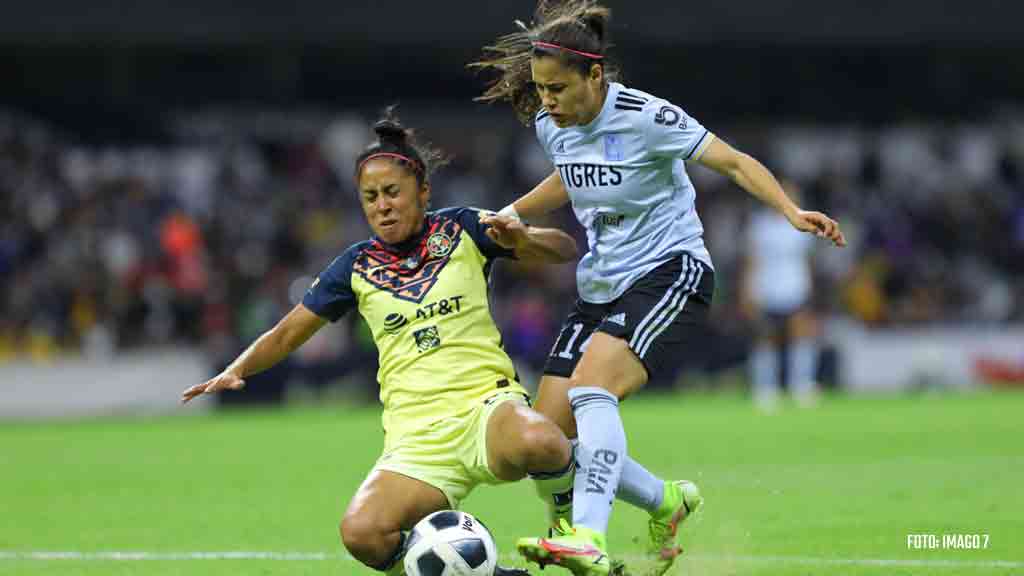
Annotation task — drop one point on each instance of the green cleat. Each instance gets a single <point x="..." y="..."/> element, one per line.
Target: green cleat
<point x="682" y="499"/>
<point x="562" y="527"/>
<point x="578" y="549"/>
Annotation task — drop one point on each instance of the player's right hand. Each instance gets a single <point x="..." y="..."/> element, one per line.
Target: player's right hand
<point x="818" y="224"/>
<point x="506" y="231"/>
<point x="222" y="381"/>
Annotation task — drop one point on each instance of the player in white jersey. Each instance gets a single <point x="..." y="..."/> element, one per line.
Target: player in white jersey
<point x="647" y="280"/>
<point x="776" y="292"/>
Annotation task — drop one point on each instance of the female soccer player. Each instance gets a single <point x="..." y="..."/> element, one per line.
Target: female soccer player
<point x="647" y="280"/>
<point x="455" y="415"/>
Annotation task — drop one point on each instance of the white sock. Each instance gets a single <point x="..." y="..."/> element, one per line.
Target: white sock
<point x="639" y="487"/>
<point x="802" y="354"/>
<point x="764" y="372"/>
<point x="599" y="464"/>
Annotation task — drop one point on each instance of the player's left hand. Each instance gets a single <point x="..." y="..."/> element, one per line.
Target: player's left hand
<point x="506" y="231"/>
<point x="818" y="224"/>
<point x="223" y="381"/>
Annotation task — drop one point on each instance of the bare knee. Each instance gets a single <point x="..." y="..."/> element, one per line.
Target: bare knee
<point x="366" y="539"/>
<point x="547" y="448"/>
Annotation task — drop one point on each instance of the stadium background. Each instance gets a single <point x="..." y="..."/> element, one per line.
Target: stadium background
<point x="172" y="175"/>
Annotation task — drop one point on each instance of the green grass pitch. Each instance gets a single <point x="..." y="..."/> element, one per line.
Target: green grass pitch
<point x="833" y="490"/>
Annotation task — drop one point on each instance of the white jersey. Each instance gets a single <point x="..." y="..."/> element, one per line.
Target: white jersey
<point x="626" y="177"/>
<point x="781" y="275"/>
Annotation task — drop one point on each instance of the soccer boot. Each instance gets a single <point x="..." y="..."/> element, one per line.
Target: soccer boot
<point x="682" y="499"/>
<point x="500" y="571"/>
<point x="578" y="549"/>
<point x="618" y="567"/>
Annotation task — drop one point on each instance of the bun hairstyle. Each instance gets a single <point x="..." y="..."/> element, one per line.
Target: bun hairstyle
<point x="400" y="145"/>
<point x="390" y="131"/>
<point x="574" y="31"/>
<point x="578" y="38"/>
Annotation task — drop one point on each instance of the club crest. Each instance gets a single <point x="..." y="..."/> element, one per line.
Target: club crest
<point x="613" y="148"/>
<point x="439" y="245"/>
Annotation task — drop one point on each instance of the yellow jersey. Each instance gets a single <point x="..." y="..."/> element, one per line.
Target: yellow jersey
<point x="426" y="303"/>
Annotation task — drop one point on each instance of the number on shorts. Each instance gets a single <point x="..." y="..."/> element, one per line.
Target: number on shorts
<point x="577" y="328"/>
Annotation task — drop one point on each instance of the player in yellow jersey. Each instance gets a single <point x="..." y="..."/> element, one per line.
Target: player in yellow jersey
<point x="455" y="415"/>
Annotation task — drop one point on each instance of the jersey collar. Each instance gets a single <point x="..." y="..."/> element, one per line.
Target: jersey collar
<point x="409" y="243"/>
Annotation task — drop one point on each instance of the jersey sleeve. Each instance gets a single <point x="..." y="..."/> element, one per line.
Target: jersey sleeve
<point x="672" y="133"/>
<point x="469" y="219"/>
<point x="331" y="294"/>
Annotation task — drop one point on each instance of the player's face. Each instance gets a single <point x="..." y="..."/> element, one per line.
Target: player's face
<point x="571" y="98"/>
<point x="393" y="201"/>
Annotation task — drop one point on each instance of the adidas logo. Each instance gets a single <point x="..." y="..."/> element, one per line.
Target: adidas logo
<point x="619" y="319"/>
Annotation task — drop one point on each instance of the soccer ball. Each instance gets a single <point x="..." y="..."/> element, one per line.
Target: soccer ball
<point x="450" y="543"/>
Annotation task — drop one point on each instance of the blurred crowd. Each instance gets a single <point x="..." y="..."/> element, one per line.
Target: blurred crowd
<point x="207" y="237"/>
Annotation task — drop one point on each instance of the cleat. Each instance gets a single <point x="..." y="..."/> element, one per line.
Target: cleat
<point x="618" y="568"/>
<point x="560" y="528"/>
<point x="500" y="571"/>
<point x="577" y="549"/>
<point x="682" y="499"/>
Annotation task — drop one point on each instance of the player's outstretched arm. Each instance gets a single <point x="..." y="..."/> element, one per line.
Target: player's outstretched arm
<point x="530" y="243"/>
<point x="753" y="177"/>
<point x="546" y="197"/>
<point x="269" y="349"/>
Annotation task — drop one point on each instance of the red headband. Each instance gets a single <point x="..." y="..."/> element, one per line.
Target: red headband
<point x="408" y="160"/>
<point x="557" y="47"/>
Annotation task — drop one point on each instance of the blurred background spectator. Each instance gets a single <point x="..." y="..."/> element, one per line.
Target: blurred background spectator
<point x="775" y="296"/>
<point x="166" y="183"/>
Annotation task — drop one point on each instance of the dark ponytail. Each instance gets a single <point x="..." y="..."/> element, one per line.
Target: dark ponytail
<point x="390" y="132"/>
<point x="574" y="31"/>
<point x="399" y="144"/>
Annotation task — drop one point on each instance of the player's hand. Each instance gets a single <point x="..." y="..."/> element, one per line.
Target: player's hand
<point x="818" y="224"/>
<point x="222" y="381"/>
<point x="506" y="231"/>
